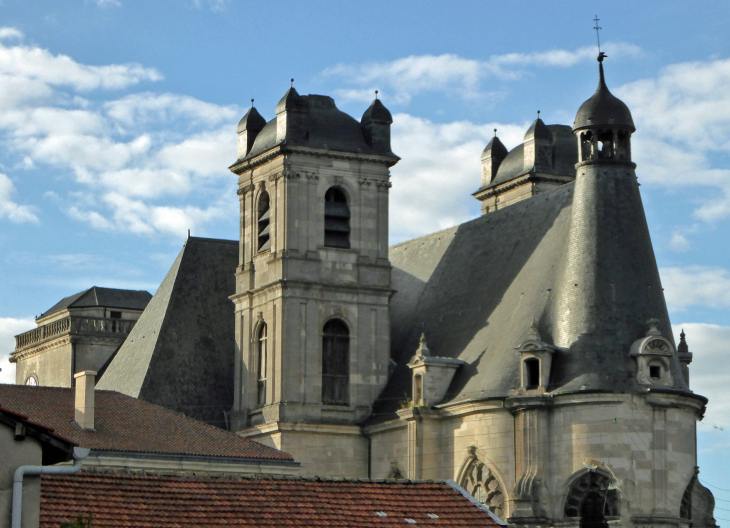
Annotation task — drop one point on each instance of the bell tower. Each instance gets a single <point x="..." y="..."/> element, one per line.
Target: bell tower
<point x="313" y="281"/>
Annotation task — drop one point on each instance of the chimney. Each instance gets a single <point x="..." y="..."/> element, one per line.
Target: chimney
<point x="85" y="382"/>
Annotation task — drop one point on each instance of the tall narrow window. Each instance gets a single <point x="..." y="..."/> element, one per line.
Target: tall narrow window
<point x="264" y="241"/>
<point x="532" y="373"/>
<point x="418" y="389"/>
<point x="262" y="357"/>
<point x="336" y="219"/>
<point x="335" y="363"/>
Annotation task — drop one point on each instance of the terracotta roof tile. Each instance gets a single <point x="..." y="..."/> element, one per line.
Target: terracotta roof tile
<point x="116" y="500"/>
<point x="126" y="424"/>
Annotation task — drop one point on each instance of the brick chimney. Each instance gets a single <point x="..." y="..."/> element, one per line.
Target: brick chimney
<point x="85" y="382"/>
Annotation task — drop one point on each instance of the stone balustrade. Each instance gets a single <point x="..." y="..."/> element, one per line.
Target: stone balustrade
<point x="74" y="326"/>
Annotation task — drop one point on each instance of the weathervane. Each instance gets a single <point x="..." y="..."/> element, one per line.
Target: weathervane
<point x="598" y="28"/>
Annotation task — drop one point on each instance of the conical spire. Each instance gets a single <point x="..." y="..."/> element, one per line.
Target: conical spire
<point x="609" y="285"/>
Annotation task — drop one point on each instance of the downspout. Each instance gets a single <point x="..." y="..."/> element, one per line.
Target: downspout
<point x="79" y="454"/>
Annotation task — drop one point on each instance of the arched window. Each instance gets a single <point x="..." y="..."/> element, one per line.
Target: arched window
<point x="605" y="139"/>
<point x="264" y="214"/>
<point x="336" y="219"/>
<point x="592" y="498"/>
<point x="31" y="380"/>
<point x="335" y="363"/>
<point x="586" y="145"/>
<point x="262" y="360"/>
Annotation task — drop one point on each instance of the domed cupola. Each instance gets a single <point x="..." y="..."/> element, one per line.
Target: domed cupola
<point x="604" y="125"/>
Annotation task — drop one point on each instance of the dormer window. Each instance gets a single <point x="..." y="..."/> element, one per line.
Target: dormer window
<point x="655" y="372"/>
<point x="264" y="215"/>
<point x="336" y="219"/>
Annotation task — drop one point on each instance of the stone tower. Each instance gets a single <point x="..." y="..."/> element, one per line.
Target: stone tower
<point x="313" y="281"/>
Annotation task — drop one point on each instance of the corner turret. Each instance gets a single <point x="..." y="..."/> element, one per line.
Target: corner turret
<point x="375" y="124"/>
<point x="492" y="156"/>
<point x="248" y="128"/>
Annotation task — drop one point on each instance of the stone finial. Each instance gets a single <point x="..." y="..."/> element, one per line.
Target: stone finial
<point x="422" y="347"/>
<point x="534" y="334"/>
<point x="682" y="348"/>
<point x="653" y="330"/>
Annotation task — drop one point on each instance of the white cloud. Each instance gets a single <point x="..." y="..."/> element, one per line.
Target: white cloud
<point x="108" y="3"/>
<point x="683" y="127"/>
<point x="143" y="108"/>
<point x="439" y="169"/>
<point x="32" y="65"/>
<point x="696" y="286"/>
<point x="10" y="327"/>
<point x="401" y="79"/>
<point x="7" y="33"/>
<point x="679" y="242"/>
<point x="9" y="209"/>
<point x="710" y="368"/>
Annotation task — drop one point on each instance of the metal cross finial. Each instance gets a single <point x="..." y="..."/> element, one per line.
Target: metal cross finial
<point x="376" y="94"/>
<point x="598" y="36"/>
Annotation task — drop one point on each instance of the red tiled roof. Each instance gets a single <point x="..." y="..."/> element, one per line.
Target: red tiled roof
<point x="115" y="500"/>
<point x="38" y="426"/>
<point x="127" y="424"/>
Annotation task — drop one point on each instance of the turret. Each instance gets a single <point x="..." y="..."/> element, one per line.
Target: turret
<point x="610" y="287"/>
<point x="248" y="128"/>
<point x="492" y="156"/>
<point x="375" y="124"/>
<point x="290" y="116"/>
<point x="537" y="148"/>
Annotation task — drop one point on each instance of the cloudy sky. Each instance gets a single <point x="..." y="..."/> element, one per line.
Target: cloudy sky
<point x="117" y="123"/>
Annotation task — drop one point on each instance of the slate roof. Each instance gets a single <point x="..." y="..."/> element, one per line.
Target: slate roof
<point x="106" y="297"/>
<point x="125" y="424"/>
<point x="117" y="501"/>
<point x="474" y="290"/>
<point x="603" y="108"/>
<point x="181" y="350"/>
<point x="319" y="124"/>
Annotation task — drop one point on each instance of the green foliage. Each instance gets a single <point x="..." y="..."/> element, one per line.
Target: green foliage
<point x="82" y="521"/>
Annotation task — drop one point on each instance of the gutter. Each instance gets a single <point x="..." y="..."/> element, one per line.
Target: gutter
<point x="79" y="454"/>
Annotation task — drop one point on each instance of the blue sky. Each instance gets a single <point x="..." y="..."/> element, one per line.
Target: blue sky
<point x="117" y="123"/>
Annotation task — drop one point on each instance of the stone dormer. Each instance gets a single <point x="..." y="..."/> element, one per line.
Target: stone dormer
<point x="431" y="375"/>
<point x="653" y="355"/>
<point x="536" y="358"/>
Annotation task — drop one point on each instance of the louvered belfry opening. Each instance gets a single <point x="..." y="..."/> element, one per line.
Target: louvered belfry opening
<point x="262" y="364"/>
<point x="264" y="240"/>
<point x="335" y="363"/>
<point x="336" y="219"/>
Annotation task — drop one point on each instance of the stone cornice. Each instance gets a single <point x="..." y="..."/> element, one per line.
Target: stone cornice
<point x="34" y="351"/>
<point x="483" y="194"/>
<point x="241" y="166"/>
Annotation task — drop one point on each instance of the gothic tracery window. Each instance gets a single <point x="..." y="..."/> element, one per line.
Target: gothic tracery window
<point x="336" y="219"/>
<point x="588" y="493"/>
<point x="479" y="480"/>
<point x="335" y="363"/>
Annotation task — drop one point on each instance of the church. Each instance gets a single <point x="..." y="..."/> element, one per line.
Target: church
<point x="526" y="354"/>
